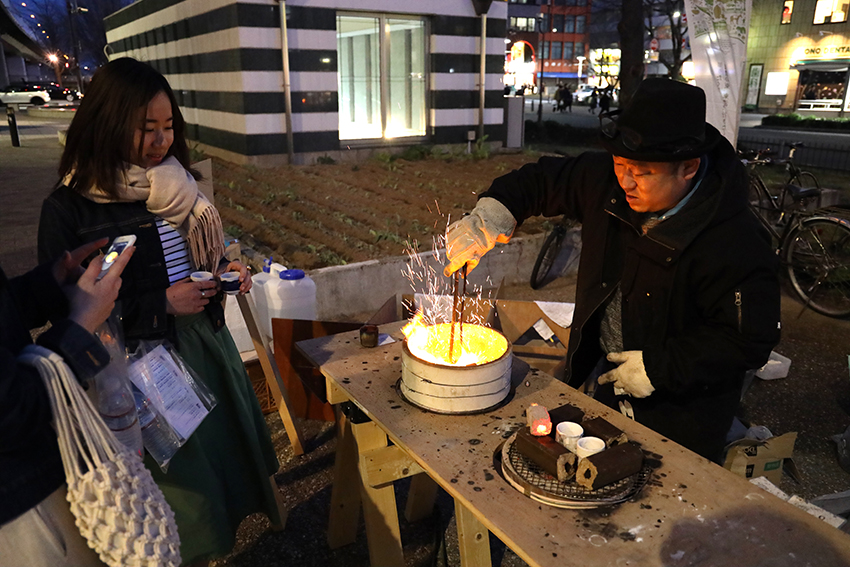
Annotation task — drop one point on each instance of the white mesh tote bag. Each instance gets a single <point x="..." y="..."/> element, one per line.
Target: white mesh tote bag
<point x="120" y="510"/>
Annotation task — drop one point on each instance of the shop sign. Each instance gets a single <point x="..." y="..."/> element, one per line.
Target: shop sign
<point x="829" y="51"/>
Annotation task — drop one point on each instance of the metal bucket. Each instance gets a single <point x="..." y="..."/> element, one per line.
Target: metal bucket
<point x="450" y="389"/>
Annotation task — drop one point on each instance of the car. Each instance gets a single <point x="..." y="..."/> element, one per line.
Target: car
<point x="24" y="94"/>
<point x="582" y="93"/>
<point x="56" y="92"/>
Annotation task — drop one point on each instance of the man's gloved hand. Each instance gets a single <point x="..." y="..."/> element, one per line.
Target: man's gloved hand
<point x="468" y="239"/>
<point x="630" y="377"/>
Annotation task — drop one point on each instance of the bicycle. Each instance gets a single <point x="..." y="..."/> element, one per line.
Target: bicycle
<point x="801" y="186"/>
<point x="813" y="246"/>
<point x="549" y="252"/>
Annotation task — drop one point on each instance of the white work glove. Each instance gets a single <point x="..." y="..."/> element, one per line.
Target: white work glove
<point x="468" y="239"/>
<point x="630" y="377"/>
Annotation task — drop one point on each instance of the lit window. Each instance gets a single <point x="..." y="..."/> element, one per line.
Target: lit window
<point x="830" y="11"/>
<point x="545" y="50"/>
<point x="364" y="102"/>
<point x="568" y="50"/>
<point x="570" y="24"/>
<point x="786" y="11"/>
<point x="556" y="50"/>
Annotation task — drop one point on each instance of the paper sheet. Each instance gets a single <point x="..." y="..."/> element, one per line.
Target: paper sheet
<point x="560" y="313"/>
<point x="183" y="410"/>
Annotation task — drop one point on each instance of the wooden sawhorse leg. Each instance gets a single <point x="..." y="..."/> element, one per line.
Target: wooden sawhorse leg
<point x="345" y="492"/>
<point x="379" y="505"/>
<point x="270" y="370"/>
<point x="473" y="538"/>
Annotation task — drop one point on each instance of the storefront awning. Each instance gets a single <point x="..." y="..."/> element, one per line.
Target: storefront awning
<point x="833" y="65"/>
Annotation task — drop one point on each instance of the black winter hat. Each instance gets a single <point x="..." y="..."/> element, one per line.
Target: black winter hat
<point x="665" y="121"/>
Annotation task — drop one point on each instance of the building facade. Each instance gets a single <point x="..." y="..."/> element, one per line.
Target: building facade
<point x="798" y="53"/>
<point x="362" y="74"/>
<point x="557" y="35"/>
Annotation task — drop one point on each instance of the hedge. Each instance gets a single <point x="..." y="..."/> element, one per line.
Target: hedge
<point x="806" y="122"/>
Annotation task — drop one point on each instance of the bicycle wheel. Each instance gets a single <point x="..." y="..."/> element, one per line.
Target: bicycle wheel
<point x="762" y="201"/>
<point x="546" y="258"/>
<point x="817" y="256"/>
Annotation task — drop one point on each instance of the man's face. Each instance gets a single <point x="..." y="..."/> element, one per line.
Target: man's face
<point x="653" y="187"/>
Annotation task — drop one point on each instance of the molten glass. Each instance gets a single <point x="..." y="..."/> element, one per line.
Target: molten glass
<point x="430" y="343"/>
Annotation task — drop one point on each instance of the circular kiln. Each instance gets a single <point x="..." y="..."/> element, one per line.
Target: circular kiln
<point x="478" y="379"/>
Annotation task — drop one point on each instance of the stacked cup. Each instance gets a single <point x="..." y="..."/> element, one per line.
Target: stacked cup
<point x="570" y="435"/>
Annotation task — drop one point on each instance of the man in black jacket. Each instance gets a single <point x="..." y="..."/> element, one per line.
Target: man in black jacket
<point x="677" y="292"/>
<point x="36" y="526"/>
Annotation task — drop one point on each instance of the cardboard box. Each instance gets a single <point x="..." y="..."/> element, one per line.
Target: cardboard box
<point x="750" y="458"/>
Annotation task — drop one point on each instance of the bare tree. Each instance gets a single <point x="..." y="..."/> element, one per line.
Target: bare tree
<point x="671" y="12"/>
<point x="632" y="35"/>
<point x="49" y="22"/>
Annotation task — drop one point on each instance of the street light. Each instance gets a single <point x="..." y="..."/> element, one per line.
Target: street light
<point x="73" y="10"/>
<point x="542" y="61"/>
<point x="54" y="59"/>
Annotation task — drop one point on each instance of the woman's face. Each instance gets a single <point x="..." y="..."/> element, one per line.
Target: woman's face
<point x="155" y="135"/>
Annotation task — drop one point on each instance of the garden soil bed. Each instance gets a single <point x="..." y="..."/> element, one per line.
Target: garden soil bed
<point x="314" y="216"/>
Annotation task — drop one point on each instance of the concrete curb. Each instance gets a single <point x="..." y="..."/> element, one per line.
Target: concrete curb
<point x="345" y="291"/>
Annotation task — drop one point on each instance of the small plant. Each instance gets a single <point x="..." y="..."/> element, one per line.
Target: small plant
<point x="325" y="160"/>
<point x="355" y="168"/>
<point x="416" y="153"/>
<point x="196" y="154"/>
<point x="481" y="149"/>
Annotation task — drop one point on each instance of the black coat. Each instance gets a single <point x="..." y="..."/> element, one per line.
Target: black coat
<point x="30" y="464"/>
<point x="69" y="220"/>
<point x="700" y="290"/>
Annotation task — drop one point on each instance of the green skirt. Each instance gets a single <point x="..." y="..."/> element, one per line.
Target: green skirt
<point x="221" y="475"/>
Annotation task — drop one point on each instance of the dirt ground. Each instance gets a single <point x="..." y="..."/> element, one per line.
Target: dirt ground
<point x="310" y="217"/>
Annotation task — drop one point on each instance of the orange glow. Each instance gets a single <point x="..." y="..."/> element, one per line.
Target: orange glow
<point x="539" y="421"/>
<point x="431" y="343"/>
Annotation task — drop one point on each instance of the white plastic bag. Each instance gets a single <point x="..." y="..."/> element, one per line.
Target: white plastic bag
<point x="172" y="400"/>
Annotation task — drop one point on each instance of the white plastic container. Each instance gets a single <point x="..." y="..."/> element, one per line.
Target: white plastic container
<point x="259" y="293"/>
<point x="291" y="296"/>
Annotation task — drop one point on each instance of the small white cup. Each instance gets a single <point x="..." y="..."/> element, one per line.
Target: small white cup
<point x="587" y="446"/>
<point x="568" y="433"/>
<point x="201" y="276"/>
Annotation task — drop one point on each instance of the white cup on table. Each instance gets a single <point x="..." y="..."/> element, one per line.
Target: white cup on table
<point x="587" y="446"/>
<point x="567" y="433"/>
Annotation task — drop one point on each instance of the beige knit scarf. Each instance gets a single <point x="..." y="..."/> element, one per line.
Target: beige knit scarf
<point x="170" y="192"/>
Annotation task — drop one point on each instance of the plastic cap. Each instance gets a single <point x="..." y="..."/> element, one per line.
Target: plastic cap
<point x="292" y="274"/>
<point x="267" y="263"/>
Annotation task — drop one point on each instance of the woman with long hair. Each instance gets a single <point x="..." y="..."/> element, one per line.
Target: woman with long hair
<point x="125" y="170"/>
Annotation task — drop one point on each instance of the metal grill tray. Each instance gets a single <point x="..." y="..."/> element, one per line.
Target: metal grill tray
<point x="527" y="477"/>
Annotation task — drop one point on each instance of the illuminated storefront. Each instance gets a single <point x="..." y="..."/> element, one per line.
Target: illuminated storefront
<point x="799" y="54"/>
<point x="520" y="64"/>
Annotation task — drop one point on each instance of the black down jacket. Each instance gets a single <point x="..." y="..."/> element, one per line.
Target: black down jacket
<point x="700" y="290"/>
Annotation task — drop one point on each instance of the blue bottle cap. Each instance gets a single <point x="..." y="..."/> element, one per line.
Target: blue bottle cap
<point x="292" y="274"/>
<point x="267" y="265"/>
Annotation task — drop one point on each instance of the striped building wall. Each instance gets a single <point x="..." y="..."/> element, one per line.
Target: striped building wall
<point x="223" y="59"/>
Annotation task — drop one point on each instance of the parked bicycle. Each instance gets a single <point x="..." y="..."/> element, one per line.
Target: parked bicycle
<point x="801" y="187"/>
<point x="549" y="252"/>
<point x="814" y="246"/>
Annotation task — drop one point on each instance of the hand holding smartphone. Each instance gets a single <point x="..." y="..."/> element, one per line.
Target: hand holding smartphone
<point x="115" y="249"/>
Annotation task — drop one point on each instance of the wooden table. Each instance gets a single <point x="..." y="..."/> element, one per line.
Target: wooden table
<point x="692" y="512"/>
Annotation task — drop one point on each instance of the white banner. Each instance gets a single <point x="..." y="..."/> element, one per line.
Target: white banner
<point x="718" y="32"/>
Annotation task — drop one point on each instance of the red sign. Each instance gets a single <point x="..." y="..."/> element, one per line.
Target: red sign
<point x="653" y="44"/>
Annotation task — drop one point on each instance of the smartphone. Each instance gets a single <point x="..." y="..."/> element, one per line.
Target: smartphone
<point x="115" y="249"/>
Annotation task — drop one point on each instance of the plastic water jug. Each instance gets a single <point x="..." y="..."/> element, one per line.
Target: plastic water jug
<point x="259" y="293"/>
<point x="291" y="296"/>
